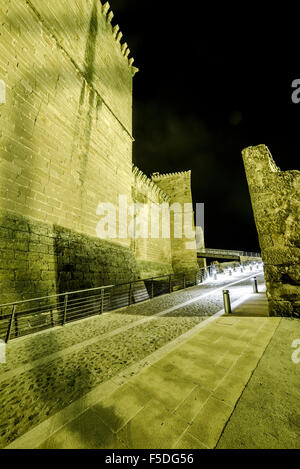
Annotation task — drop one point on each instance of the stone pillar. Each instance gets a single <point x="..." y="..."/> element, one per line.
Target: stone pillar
<point x="275" y="201"/>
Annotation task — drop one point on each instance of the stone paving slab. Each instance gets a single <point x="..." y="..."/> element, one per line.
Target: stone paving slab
<point x="267" y="415"/>
<point x="184" y="400"/>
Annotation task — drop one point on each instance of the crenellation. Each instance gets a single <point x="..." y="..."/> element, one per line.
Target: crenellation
<point x="152" y="187"/>
<point x="158" y="176"/>
<point x="110" y="17"/>
<point x="124" y="48"/>
<point x="115" y="30"/>
<point x="105" y="8"/>
<point x="118" y="35"/>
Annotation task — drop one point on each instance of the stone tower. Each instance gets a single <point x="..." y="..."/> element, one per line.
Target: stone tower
<point x="178" y="187"/>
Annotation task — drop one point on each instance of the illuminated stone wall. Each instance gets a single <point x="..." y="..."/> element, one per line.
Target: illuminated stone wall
<point x="200" y="244"/>
<point x="65" y="145"/>
<point x="275" y="201"/>
<point x="153" y="255"/>
<point x="178" y="187"/>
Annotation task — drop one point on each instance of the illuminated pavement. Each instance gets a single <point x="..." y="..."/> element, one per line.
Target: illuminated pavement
<point x="162" y="374"/>
<point x="183" y="400"/>
<point x="180" y="393"/>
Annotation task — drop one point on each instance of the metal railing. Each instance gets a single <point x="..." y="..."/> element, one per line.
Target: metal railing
<point x="26" y="317"/>
<point x="30" y="316"/>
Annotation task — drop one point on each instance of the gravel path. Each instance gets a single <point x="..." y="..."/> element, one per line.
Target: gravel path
<point x="31" y="396"/>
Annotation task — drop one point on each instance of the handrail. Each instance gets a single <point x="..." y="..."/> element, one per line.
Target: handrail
<point x="55" y="296"/>
<point x="77" y="305"/>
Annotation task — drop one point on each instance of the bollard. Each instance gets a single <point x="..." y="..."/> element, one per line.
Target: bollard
<point x="227" y="305"/>
<point x="230" y="272"/>
<point x="215" y="276"/>
<point x="251" y="268"/>
<point x="255" y="289"/>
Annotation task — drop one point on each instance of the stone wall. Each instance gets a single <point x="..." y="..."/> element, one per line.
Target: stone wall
<point x="40" y="259"/>
<point x="65" y="144"/>
<point x="153" y="254"/>
<point x="178" y="187"/>
<point x="200" y="244"/>
<point x="276" y="207"/>
<point x="65" y="147"/>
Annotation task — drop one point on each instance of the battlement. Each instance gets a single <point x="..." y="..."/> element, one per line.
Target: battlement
<point x="159" y="177"/>
<point x="117" y="35"/>
<point x="141" y="178"/>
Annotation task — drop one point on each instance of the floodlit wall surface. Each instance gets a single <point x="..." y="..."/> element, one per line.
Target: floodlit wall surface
<point x="276" y="205"/>
<point x="178" y="187"/>
<point x="153" y="254"/>
<point x="200" y="244"/>
<point x="65" y="145"/>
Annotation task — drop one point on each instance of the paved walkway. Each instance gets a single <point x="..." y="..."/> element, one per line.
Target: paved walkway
<point x="183" y="400"/>
<point x="267" y="415"/>
<point x="256" y="306"/>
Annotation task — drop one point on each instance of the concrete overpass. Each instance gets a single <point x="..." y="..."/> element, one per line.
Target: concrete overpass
<point x="225" y="254"/>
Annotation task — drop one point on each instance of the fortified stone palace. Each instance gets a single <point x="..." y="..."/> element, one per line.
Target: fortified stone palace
<point x="66" y="146"/>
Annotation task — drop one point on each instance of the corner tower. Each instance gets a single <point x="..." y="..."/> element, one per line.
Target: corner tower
<point x="178" y="187"/>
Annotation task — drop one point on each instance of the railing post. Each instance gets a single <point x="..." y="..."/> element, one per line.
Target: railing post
<point x="170" y="283"/>
<point x="152" y="288"/>
<point x="102" y="301"/>
<point x="130" y="294"/>
<point x="65" y="309"/>
<point x="16" y="326"/>
<point x="51" y="318"/>
<point x="10" y="323"/>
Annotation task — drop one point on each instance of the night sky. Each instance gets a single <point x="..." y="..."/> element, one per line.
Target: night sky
<point x="213" y="81"/>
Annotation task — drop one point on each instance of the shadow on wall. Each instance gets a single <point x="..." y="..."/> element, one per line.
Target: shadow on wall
<point x="38" y="259"/>
<point x="83" y="262"/>
<point x="89" y="106"/>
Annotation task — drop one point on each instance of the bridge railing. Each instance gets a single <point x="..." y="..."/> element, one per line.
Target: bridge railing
<point x="26" y="317"/>
<point x="228" y="252"/>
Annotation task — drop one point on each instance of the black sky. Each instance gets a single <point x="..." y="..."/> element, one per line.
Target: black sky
<point x="213" y="81"/>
